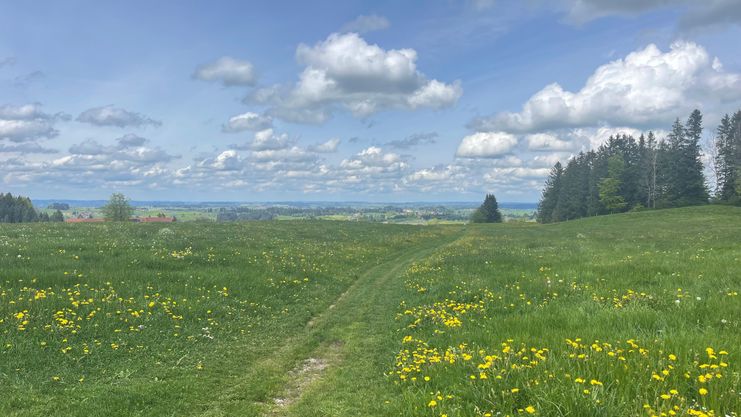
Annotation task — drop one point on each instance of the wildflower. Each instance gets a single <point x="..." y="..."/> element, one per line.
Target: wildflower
<point x="530" y="409"/>
<point x="703" y="391"/>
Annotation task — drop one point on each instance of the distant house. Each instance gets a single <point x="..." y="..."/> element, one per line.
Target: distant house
<point x="158" y="219"/>
<point x="82" y="220"/>
<point x="154" y="219"/>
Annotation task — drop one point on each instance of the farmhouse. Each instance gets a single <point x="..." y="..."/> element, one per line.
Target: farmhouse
<point x="153" y="219"/>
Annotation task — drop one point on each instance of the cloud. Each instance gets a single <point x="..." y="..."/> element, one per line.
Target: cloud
<point x="547" y="161"/>
<point x="693" y="14"/>
<point x="581" y="11"/>
<point x="268" y="140"/>
<point x="345" y="72"/>
<point x="30" y="78"/>
<point x="329" y="146"/>
<point x="711" y="14"/>
<point x="228" y="71"/>
<point x="416" y="139"/>
<point x="27" y="123"/>
<point x="505" y="175"/>
<point x="116" y="117"/>
<point x="88" y="147"/>
<point x="648" y="87"/>
<point x="373" y="157"/>
<point x="228" y="160"/>
<point x="130" y="140"/>
<point x="26" y="148"/>
<point x="365" y="24"/>
<point x="7" y="62"/>
<point x="128" y="148"/>
<point x="486" y="145"/>
<point x="540" y="142"/>
<point x="481" y="5"/>
<point x="247" y="121"/>
<point x="92" y="164"/>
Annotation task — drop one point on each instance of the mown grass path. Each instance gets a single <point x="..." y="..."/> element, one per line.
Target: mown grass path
<point x="332" y="366"/>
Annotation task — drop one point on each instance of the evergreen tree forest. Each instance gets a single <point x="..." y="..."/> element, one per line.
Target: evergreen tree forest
<point x="628" y="173"/>
<point x="20" y="210"/>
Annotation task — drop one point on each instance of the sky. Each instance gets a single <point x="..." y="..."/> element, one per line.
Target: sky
<point x="381" y="101"/>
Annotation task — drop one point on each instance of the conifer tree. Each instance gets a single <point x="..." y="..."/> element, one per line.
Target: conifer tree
<point x="609" y="187"/>
<point x="549" y="199"/>
<point x="488" y="212"/>
<point x="692" y="180"/>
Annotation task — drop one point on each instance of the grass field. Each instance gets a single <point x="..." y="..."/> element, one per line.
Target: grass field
<point x="632" y="314"/>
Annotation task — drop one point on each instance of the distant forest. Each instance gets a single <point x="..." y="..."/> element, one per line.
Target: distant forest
<point x="20" y="210"/>
<point x="632" y="174"/>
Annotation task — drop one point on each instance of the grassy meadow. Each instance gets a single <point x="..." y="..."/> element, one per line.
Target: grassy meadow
<point x="635" y="314"/>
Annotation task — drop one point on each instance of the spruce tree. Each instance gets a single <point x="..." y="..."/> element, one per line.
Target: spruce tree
<point x="725" y="172"/>
<point x="694" y="190"/>
<point x="549" y="198"/>
<point x="488" y="212"/>
<point x="609" y="187"/>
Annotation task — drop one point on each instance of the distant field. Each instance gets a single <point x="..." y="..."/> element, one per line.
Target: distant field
<point x="632" y="314"/>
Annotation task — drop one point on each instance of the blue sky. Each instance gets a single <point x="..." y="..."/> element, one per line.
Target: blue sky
<point x="375" y="101"/>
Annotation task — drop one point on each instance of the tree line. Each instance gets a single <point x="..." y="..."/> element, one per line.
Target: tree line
<point x="626" y="173"/>
<point x="20" y="210"/>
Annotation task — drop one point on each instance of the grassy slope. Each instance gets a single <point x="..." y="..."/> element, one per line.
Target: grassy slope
<point x="223" y="299"/>
<point x="589" y="263"/>
<point x="499" y="272"/>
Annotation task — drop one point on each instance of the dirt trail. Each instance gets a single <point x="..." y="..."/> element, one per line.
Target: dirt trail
<point x="305" y="358"/>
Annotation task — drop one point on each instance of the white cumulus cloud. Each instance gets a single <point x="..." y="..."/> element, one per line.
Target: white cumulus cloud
<point x="548" y="142"/>
<point x="247" y="121"/>
<point x="647" y="87"/>
<point x="486" y="145"/>
<point x="344" y="71"/>
<point x="115" y="116"/>
<point x="228" y="71"/>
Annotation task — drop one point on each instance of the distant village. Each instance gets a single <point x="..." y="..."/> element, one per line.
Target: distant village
<point x="89" y="219"/>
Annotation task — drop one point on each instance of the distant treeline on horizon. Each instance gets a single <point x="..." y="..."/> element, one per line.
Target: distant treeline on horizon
<point x="20" y="210"/>
<point x="627" y="173"/>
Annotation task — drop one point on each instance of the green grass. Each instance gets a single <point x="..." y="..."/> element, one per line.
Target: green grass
<point x="218" y="319"/>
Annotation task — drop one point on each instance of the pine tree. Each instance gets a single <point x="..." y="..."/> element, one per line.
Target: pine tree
<point x="488" y="212"/>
